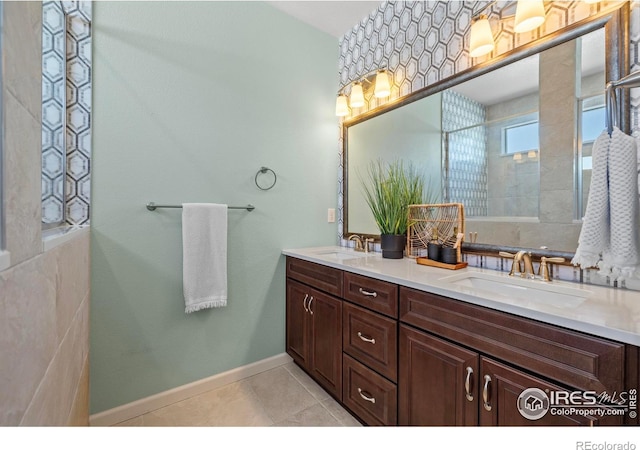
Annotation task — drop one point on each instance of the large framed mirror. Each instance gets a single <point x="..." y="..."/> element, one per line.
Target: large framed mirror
<point x="509" y="138"/>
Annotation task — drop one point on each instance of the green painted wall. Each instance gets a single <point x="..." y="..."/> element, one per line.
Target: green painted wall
<point x="190" y="100"/>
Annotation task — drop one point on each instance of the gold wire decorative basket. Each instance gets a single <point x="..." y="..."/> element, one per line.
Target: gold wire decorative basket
<point x="444" y="220"/>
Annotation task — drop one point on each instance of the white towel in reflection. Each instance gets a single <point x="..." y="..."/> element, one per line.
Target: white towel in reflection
<point x="609" y="238"/>
<point x="204" y="255"/>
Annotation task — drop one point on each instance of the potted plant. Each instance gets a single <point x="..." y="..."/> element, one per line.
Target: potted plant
<point x="389" y="189"/>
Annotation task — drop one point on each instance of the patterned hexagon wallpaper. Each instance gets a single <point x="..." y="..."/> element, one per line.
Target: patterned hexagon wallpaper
<point x="424" y="42"/>
<point x="66" y="112"/>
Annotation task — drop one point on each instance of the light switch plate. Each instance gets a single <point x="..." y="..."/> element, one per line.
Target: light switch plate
<point x="331" y="215"/>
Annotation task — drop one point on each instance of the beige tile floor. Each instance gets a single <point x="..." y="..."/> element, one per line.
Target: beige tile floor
<point x="281" y="397"/>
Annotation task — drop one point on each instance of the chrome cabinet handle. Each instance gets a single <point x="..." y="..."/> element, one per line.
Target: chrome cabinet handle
<point x="366" y="339"/>
<point x="365" y="397"/>
<point x="309" y="305"/>
<point x="367" y="293"/>
<point x="304" y="302"/>
<point x="485" y="393"/>
<point x="467" y="384"/>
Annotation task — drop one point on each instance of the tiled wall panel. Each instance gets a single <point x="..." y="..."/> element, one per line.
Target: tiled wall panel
<point x="466" y="178"/>
<point x="70" y="166"/>
<point x="53" y="112"/>
<point x="44" y="296"/>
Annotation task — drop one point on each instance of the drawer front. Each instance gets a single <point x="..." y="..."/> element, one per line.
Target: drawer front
<point x="570" y="357"/>
<point x="372" y="339"/>
<point x="376" y="295"/>
<point x="373" y="398"/>
<point x="321" y="277"/>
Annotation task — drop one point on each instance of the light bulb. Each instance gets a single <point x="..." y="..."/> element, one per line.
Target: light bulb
<point x="383" y="88"/>
<point x="341" y="105"/>
<point x="481" y="39"/>
<point x="529" y="15"/>
<point x="356" y="99"/>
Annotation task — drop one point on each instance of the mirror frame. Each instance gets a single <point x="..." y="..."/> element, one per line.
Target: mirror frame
<point x="615" y="21"/>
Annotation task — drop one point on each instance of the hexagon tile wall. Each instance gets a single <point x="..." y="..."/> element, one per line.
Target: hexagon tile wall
<point x="424" y="42"/>
<point x="77" y="110"/>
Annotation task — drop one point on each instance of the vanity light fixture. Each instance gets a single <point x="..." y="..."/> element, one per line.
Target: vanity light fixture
<point x="342" y="109"/>
<point x="356" y="99"/>
<point x="532" y="154"/>
<point x="481" y="39"/>
<point x="382" y="88"/>
<point x="529" y="15"/>
<point x="517" y="157"/>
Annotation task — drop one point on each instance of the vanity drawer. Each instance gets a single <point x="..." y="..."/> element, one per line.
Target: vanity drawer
<point x="321" y="277"/>
<point x="371" y="338"/>
<point x="570" y="357"/>
<point x="373" y="398"/>
<point x="376" y="295"/>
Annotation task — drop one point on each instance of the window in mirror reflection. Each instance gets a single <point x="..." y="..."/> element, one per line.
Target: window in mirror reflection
<point x="592" y="123"/>
<point x="520" y="138"/>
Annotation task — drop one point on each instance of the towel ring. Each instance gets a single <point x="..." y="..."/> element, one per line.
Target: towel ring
<point x="264" y="170"/>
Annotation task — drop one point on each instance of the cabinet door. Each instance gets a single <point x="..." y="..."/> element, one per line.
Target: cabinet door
<point x="297" y="323"/>
<point x="326" y="341"/>
<point x="438" y="381"/>
<point x="501" y="385"/>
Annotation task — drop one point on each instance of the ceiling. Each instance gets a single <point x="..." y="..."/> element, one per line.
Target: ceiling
<point x="332" y="17"/>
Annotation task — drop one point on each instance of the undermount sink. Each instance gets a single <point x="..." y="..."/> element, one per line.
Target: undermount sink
<point x="522" y="291"/>
<point x="340" y="256"/>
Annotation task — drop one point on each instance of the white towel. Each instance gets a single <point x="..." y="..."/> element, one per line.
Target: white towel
<point x="204" y="255"/>
<point x="621" y="258"/>
<point x="594" y="235"/>
<point x="609" y="238"/>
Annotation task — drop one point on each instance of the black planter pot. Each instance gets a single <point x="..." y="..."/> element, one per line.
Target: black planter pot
<point x="393" y="245"/>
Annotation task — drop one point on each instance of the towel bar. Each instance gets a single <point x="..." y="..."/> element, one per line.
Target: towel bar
<point x="611" y="101"/>
<point x="151" y="206"/>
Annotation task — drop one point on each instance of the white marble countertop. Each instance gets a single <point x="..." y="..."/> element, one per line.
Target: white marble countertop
<point x="600" y="311"/>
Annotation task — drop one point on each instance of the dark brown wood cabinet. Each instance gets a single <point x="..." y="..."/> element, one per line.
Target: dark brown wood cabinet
<point x="501" y="386"/>
<point x="314" y="334"/>
<point x="438" y="381"/>
<point x="444" y="384"/>
<point x="394" y="355"/>
<point x="372" y="397"/>
<point x="448" y="372"/>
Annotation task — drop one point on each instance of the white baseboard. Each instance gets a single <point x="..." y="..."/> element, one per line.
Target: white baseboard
<point x="162" y="399"/>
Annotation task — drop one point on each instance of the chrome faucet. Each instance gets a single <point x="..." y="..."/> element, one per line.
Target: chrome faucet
<point x="359" y="245"/>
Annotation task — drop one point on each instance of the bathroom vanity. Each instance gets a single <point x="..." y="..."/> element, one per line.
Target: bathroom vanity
<point x="399" y="343"/>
